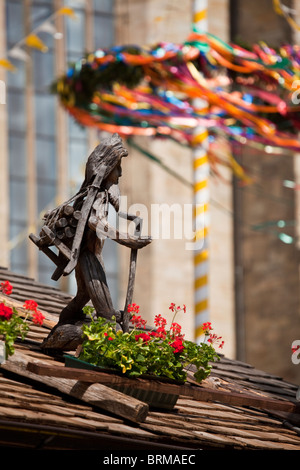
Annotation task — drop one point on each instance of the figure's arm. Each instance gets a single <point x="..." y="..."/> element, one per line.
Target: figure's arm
<point x="105" y="230"/>
<point x="127" y="216"/>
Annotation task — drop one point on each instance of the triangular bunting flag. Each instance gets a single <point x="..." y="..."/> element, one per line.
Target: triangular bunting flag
<point x="34" y="41"/>
<point x="67" y="11"/>
<point x="18" y="53"/>
<point x="7" y="65"/>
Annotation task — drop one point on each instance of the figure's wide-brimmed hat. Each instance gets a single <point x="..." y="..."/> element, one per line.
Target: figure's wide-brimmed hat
<point x="109" y="153"/>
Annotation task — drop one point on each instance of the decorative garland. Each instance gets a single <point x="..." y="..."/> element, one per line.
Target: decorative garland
<point x="33" y="41"/>
<point x="136" y="90"/>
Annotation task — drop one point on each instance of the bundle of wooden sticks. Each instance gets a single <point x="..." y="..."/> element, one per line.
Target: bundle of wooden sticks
<point x="63" y="223"/>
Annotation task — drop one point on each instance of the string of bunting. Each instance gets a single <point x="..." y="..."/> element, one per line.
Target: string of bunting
<point x="33" y="41"/>
<point x="287" y="13"/>
<point x="150" y="91"/>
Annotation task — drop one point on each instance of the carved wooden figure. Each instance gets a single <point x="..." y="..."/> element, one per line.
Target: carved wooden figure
<point x="78" y="229"/>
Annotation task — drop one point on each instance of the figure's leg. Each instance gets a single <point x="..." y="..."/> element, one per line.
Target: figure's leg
<point x="67" y="334"/>
<point x="96" y="285"/>
<point x="91" y="285"/>
<point x="73" y="311"/>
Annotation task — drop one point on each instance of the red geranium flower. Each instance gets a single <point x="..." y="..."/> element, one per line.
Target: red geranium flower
<point x="214" y="339"/>
<point x="207" y="327"/>
<point x="38" y="317"/>
<point x="30" y="305"/>
<point x="176" y="328"/>
<point x="6" y="287"/>
<point x="133" y="308"/>
<point x="177" y="345"/>
<point x="160" y="321"/>
<point x="5" y="312"/>
<point x="144" y="337"/>
<point x="138" y="321"/>
<point x="108" y="337"/>
<point x="161" y="332"/>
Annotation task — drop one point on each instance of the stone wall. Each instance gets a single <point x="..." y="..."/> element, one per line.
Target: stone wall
<point x="267" y="287"/>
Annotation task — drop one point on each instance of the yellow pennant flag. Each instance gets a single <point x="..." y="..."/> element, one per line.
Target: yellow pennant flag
<point x="7" y="65"/>
<point x="284" y="11"/>
<point x="67" y="11"/>
<point x="34" y="41"/>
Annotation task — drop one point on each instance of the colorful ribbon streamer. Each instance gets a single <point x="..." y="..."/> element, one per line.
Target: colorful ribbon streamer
<point x="151" y="91"/>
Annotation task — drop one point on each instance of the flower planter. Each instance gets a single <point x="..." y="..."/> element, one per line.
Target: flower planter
<point x="155" y="399"/>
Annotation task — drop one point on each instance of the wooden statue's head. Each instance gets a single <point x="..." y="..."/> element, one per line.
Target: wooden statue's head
<point x="109" y="154"/>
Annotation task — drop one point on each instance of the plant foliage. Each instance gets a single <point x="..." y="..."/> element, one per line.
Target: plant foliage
<point x="159" y="352"/>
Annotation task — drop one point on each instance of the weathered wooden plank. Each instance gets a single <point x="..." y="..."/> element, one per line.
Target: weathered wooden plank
<point x="187" y="403"/>
<point x="197" y="393"/>
<point x="130" y="431"/>
<point x="30" y="285"/>
<point x="240" y="399"/>
<point x="49" y="321"/>
<point x="200" y="414"/>
<point x="217" y="440"/>
<point x="51" y="255"/>
<point x="227" y="417"/>
<point x="97" y="395"/>
<point x="28" y="400"/>
<point x="57" y="242"/>
<point x="272" y="431"/>
<point x="171" y="431"/>
<point x="50" y="298"/>
<point x="257" y="444"/>
<point x="101" y="377"/>
<point x="269" y="435"/>
<point x="50" y="418"/>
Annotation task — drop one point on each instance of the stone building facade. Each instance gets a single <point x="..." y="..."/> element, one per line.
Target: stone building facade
<point x="254" y="277"/>
<point x="267" y="269"/>
<point x="166" y="268"/>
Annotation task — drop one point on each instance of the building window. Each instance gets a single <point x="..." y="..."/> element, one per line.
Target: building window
<point x="33" y="131"/>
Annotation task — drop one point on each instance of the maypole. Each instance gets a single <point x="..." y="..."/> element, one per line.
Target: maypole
<point x="201" y="199"/>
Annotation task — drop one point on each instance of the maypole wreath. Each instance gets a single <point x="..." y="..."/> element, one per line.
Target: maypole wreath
<point x="150" y="91"/>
